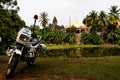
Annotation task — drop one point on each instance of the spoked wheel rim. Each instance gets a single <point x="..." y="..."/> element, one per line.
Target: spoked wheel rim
<point x="12" y="66"/>
<point x="8" y="71"/>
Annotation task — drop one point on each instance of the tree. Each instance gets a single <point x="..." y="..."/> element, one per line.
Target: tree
<point x="102" y="22"/>
<point x="44" y="19"/>
<point x="114" y="14"/>
<point x="9" y="4"/>
<point x="113" y="17"/>
<point x="91" y="21"/>
<point x="107" y="23"/>
<point x="10" y="23"/>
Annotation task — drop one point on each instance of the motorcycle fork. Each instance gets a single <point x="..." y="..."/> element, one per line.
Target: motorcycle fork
<point x="11" y="57"/>
<point x="22" y="57"/>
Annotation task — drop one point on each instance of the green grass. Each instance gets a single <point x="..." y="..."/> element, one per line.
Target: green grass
<point x="61" y="46"/>
<point x="107" y="68"/>
<point x="100" y="68"/>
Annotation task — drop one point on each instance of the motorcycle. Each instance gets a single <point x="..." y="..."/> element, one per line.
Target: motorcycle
<point x="27" y="45"/>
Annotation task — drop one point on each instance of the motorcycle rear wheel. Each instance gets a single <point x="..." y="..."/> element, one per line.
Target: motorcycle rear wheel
<point x="12" y="66"/>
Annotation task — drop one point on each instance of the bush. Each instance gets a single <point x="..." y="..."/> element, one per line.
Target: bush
<point x="57" y="37"/>
<point x="90" y="38"/>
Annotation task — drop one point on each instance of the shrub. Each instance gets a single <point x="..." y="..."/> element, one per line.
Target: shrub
<point x="57" y="37"/>
<point x="90" y="38"/>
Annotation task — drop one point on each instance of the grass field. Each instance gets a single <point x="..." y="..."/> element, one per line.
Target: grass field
<point x="100" y="68"/>
<point x="55" y="46"/>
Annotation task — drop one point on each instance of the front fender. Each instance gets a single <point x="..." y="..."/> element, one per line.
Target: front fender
<point x="17" y="51"/>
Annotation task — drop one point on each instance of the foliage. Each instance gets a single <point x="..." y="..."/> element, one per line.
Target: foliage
<point x="90" y="38"/>
<point x="104" y="23"/>
<point x="117" y="36"/>
<point x="91" y="20"/>
<point x="113" y="34"/>
<point x="113" y="15"/>
<point x="69" y="38"/>
<point x="43" y="19"/>
<point x="71" y="30"/>
<point x="56" y="37"/>
<point x="9" y="4"/>
<point x="10" y="22"/>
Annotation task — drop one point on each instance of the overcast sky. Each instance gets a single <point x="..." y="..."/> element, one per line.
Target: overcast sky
<point x="62" y="9"/>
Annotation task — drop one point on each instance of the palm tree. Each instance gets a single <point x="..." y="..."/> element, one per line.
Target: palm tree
<point x="102" y="22"/>
<point x="113" y="17"/>
<point x="92" y="20"/>
<point x="44" y="19"/>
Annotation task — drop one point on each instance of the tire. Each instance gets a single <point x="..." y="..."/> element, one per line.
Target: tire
<point x="30" y="62"/>
<point x="12" y="66"/>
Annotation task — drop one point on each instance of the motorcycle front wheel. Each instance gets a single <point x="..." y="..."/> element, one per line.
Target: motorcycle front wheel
<point x="12" y="65"/>
<point x="30" y="62"/>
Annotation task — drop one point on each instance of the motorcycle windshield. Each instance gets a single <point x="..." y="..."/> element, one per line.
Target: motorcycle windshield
<point x="35" y="41"/>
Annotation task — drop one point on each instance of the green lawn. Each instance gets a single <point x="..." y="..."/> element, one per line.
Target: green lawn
<point x="59" y="46"/>
<point x="105" y="68"/>
<point x="100" y="68"/>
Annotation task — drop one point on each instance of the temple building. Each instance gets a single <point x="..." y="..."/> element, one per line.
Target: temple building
<point x="79" y="28"/>
<point x="118" y="23"/>
<point x="55" y="26"/>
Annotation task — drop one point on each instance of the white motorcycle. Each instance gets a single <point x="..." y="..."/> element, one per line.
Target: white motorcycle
<point x="27" y="44"/>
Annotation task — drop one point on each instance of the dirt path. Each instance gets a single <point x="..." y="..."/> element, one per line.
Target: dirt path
<point x="3" y="62"/>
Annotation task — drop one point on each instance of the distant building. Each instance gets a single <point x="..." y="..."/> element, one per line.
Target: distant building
<point x="55" y="26"/>
<point x="54" y="21"/>
<point x="119" y="23"/>
<point x="79" y="28"/>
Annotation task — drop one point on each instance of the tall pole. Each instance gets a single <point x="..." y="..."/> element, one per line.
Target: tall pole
<point x="34" y="25"/>
<point x="35" y="17"/>
<point x="69" y="21"/>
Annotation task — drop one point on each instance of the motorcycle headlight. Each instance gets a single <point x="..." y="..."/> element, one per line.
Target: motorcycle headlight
<point x="24" y="38"/>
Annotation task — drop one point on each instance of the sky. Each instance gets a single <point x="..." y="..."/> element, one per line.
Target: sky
<point x="62" y="9"/>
